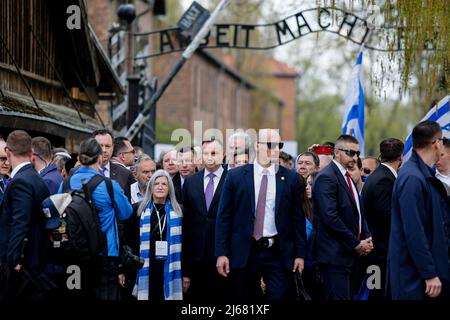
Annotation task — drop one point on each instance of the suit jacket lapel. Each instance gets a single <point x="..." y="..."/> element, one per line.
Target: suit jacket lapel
<point x="112" y="171"/>
<point x="387" y="171"/>
<point x="217" y="193"/>
<point x="250" y="184"/>
<point x="344" y="184"/>
<point x="279" y="187"/>
<point x="200" y="185"/>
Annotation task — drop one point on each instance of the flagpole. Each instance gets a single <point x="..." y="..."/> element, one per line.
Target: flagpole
<point x="188" y="52"/>
<point x="354" y="120"/>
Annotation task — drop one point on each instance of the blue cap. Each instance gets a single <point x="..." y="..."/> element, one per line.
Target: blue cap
<point x="53" y="208"/>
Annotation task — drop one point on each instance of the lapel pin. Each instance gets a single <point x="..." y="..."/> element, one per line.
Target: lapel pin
<point x="282" y="178"/>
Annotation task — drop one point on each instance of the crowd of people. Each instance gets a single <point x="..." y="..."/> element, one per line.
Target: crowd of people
<point x="236" y="220"/>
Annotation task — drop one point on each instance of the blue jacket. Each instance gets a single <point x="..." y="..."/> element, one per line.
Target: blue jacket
<point x="418" y="240"/>
<point x="52" y="177"/>
<point x="103" y="202"/>
<point x="21" y="217"/>
<point x="236" y="216"/>
<point x="309" y="262"/>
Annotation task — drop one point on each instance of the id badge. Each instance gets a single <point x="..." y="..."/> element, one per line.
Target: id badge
<point x="161" y="250"/>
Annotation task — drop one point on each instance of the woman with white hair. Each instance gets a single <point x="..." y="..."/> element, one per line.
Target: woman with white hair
<point x="160" y="242"/>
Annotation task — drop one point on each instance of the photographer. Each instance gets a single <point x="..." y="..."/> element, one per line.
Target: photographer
<point x="104" y="279"/>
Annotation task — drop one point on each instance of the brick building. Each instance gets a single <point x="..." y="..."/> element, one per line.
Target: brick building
<point x="207" y="88"/>
<point x="51" y="77"/>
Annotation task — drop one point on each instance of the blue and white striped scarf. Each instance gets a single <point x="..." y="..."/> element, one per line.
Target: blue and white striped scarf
<point x="173" y="284"/>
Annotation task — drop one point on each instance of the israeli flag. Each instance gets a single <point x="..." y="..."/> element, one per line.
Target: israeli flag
<point x="439" y="113"/>
<point x="353" y="123"/>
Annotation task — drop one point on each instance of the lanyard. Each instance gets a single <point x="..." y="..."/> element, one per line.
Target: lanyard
<point x="159" y="222"/>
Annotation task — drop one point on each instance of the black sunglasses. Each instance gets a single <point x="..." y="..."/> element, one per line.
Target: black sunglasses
<point x="273" y="145"/>
<point x="367" y="170"/>
<point x="443" y="139"/>
<point x="350" y="153"/>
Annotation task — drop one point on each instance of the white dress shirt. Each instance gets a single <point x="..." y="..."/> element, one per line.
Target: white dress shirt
<point x="355" y="190"/>
<point x="392" y="170"/>
<point x="217" y="176"/>
<point x="444" y="179"/>
<point x="136" y="195"/>
<point x="270" y="228"/>
<point x="16" y="169"/>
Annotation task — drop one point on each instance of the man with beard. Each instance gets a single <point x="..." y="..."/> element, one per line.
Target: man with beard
<point x="341" y="230"/>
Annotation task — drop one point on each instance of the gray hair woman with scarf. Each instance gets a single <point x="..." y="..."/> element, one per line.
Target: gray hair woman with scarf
<point x="160" y="242"/>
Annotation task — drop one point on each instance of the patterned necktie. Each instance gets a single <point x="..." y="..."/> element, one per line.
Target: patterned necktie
<point x="350" y="185"/>
<point x="209" y="192"/>
<point x="260" y="208"/>
<point x="102" y="171"/>
<point x="2" y="187"/>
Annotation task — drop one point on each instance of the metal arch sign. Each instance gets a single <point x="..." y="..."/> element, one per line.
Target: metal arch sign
<point x="245" y="36"/>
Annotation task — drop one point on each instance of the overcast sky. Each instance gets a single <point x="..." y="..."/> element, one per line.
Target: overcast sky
<point x="322" y="57"/>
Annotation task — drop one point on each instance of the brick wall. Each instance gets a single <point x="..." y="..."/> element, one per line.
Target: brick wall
<point x="201" y="92"/>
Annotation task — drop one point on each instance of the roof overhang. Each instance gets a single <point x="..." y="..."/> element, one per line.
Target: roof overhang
<point x="18" y="111"/>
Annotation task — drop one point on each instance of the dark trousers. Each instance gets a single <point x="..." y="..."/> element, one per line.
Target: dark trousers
<point x="98" y="281"/>
<point x="206" y="283"/>
<point x="265" y="263"/>
<point x="338" y="281"/>
<point x="106" y="282"/>
<point x="156" y="280"/>
<point x="382" y="294"/>
<point x="313" y="282"/>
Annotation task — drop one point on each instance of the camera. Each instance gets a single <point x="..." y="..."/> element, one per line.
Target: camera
<point x="130" y="262"/>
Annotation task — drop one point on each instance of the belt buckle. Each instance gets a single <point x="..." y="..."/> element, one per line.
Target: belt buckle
<point x="263" y="242"/>
<point x="266" y="242"/>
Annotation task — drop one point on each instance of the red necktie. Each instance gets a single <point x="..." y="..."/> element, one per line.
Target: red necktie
<point x="350" y="185"/>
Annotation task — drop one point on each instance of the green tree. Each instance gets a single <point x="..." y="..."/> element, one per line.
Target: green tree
<point x="318" y="121"/>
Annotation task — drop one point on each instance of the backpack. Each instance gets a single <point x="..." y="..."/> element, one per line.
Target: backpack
<point x="74" y="231"/>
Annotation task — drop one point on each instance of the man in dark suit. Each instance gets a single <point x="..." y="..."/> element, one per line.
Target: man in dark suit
<point x="123" y="152"/>
<point x="376" y="197"/>
<point x="186" y="168"/>
<point x="41" y="159"/>
<point x="5" y="168"/>
<point x="260" y="227"/>
<point x="112" y="170"/>
<point x="341" y="230"/>
<point x="201" y="194"/>
<point x="21" y="215"/>
<point x="418" y="248"/>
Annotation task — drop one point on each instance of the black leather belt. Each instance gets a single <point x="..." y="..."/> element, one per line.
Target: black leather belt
<point x="266" y="242"/>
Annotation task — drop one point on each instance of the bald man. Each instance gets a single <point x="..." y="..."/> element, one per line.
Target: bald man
<point x="250" y="243"/>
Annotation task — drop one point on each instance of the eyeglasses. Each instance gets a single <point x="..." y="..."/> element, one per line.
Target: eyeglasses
<point x="367" y="171"/>
<point x="443" y="139"/>
<point x="131" y="151"/>
<point x="39" y="156"/>
<point x="273" y="145"/>
<point x="3" y="159"/>
<point x="183" y="161"/>
<point x="350" y="153"/>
